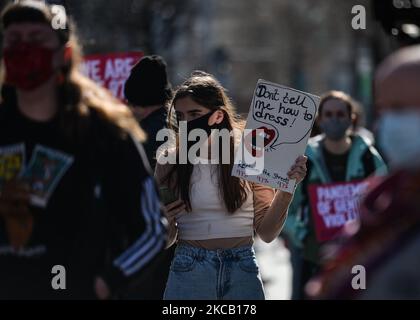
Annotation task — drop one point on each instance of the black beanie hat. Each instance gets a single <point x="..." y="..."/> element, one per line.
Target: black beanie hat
<point x="148" y="83"/>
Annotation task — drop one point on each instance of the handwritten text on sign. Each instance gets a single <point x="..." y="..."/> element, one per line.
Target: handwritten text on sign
<point x="284" y="117"/>
<point x="290" y="112"/>
<point x="111" y="70"/>
<point x="334" y="205"/>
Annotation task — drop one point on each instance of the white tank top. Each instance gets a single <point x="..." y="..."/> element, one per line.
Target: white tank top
<point x="209" y="218"/>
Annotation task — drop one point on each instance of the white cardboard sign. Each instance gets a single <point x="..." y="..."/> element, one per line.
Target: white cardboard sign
<point x="284" y="117"/>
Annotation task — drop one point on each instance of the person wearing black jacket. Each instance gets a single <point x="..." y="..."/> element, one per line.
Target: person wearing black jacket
<point x="76" y="190"/>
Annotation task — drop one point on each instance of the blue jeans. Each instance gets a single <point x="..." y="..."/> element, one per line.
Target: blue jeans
<point x="200" y="274"/>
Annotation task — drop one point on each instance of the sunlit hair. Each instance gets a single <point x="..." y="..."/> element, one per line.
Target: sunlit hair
<point x="77" y="94"/>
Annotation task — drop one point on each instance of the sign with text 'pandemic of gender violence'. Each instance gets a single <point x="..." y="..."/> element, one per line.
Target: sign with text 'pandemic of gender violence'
<point x="282" y="118"/>
<point x="336" y="204"/>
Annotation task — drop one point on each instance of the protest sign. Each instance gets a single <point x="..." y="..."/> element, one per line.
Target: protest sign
<point x="12" y="162"/>
<point x="334" y="205"/>
<point x="284" y="118"/>
<point x="111" y="70"/>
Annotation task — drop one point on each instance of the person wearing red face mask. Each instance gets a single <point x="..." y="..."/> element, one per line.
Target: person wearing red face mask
<point x="76" y="191"/>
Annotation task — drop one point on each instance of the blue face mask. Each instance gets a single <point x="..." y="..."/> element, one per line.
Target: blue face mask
<point x="335" y="129"/>
<point x="399" y="138"/>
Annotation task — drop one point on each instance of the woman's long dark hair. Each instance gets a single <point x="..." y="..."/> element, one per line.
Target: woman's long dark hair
<point x="77" y="94"/>
<point x="205" y="90"/>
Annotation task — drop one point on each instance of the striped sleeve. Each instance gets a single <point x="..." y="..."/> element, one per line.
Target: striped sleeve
<point x="138" y="227"/>
<point x="152" y="239"/>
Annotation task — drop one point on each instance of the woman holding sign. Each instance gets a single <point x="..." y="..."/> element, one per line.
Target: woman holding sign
<point x="338" y="161"/>
<point x="212" y="214"/>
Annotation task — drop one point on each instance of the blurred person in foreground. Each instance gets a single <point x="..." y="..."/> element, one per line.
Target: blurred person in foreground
<point x="337" y="155"/>
<point x="386" y="243"/>
<point x="149" y="93"/>
<point x="76" y="189"/>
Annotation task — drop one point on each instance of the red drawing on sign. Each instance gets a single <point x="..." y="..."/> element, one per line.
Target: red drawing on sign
<point x="268" y="136"/>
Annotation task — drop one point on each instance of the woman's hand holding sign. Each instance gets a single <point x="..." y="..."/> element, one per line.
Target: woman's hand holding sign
<point x="298" y="170"/>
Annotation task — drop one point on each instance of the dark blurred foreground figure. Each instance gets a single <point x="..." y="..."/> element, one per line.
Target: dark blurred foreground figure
<point x="387" y="243"/>
<point x="76" y="189"/>
<point x="149" y="92"/>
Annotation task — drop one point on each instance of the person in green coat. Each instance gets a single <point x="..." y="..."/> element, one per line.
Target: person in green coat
<point x="337" y="155"/>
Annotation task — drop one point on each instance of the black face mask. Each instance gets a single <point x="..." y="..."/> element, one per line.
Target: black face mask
<point x="202" y="123"/>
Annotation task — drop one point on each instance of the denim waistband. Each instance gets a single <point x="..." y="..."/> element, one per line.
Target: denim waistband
<point x="200" y="253"/>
